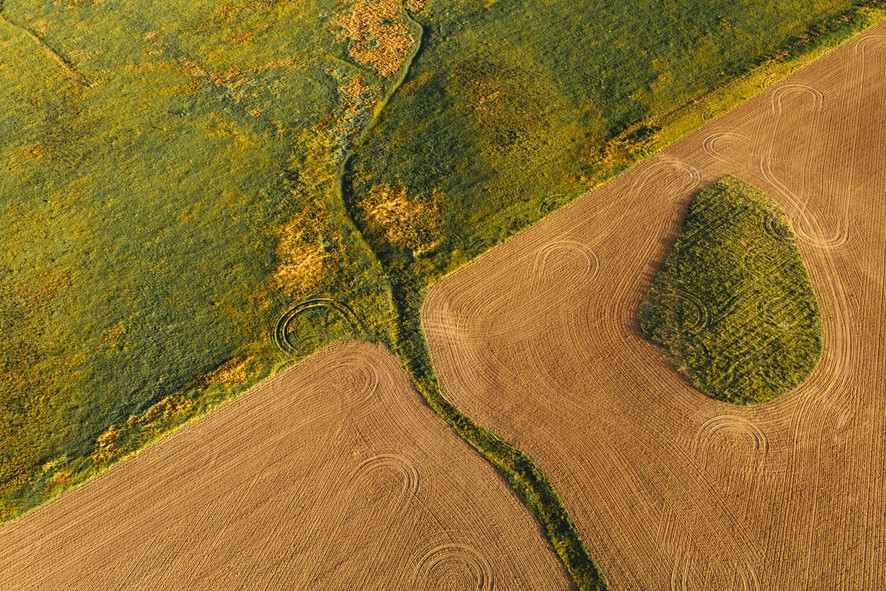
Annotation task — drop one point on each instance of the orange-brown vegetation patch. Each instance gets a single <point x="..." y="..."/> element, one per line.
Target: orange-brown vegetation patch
<point x="301" y="250"/>
<point x="192" y="68"/>
<point x="244" y="39"/>
<point x="277" y="63"/>
<point x="232" y="79"/>
<point x="358" y="100"/>
<point x="538" y="341"/>
<point x="332" y="475"/>
<point x="37" y="151"/>
<point x="227" y="13"/>
<point x="108" y="437"/>
<point x="104" y="445"/>
<point x="377" y="34"/>
<point x="234" y="371"/>
<point x="60" y="478"/>
<point x="481" y="102"/>
<point x="406" y="223"/>
<point x="167" y="408"/>
<point x="356" y="87"/>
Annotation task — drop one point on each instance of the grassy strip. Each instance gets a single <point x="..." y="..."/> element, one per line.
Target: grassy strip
<point x="733" y="304"/>
<point x="528" y="481"/>
<point x="408" y="288"/>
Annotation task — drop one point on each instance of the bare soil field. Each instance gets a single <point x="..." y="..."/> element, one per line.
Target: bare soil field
<point x="538" y="341"/>
<point x="332" y="475"/>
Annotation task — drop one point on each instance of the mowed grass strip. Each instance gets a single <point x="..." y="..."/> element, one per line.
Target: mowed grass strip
<point x="732" y="304"/>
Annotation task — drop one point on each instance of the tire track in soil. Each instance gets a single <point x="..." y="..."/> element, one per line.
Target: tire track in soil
<point x="476" y="571"/>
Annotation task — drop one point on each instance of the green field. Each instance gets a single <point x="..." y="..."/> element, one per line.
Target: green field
<point x="197" y="194"/>
<point x="513" y="108"/>
<point x="169" y="189"/>
<point x="732" y="304"/>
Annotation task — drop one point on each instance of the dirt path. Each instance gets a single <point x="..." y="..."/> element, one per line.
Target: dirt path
<point x="332" y="475"/>
<point x="538" y="341"/>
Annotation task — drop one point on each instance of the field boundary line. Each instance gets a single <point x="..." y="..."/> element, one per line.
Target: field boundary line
<point x="67" y="67"/>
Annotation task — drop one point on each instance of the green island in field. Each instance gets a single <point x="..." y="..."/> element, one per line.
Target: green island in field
<point x="195" y="195"/>
<point x="732" y="304"/>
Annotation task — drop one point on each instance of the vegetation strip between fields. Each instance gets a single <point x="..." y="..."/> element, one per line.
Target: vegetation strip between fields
<point x="527" y="480"/>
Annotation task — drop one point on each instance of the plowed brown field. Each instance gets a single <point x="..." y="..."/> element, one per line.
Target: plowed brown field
<point x="538" y="341"/>
<point x="333" y="475"/>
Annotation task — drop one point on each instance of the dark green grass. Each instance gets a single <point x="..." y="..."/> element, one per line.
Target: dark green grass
<point x="513" y="108"/>
<point x="732" y="304"/>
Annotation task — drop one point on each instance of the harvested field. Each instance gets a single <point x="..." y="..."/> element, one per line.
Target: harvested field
<point x="538" y="341"/>
<point x="332" y="475"/>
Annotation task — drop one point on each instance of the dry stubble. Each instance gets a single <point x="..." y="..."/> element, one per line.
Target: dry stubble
<point x="332" y="475"/>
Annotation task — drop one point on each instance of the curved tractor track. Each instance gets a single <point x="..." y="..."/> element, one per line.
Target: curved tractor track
<point x="669" y="488"/>
<point x="331" y="475"/>
<point x="283" y="329"/>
